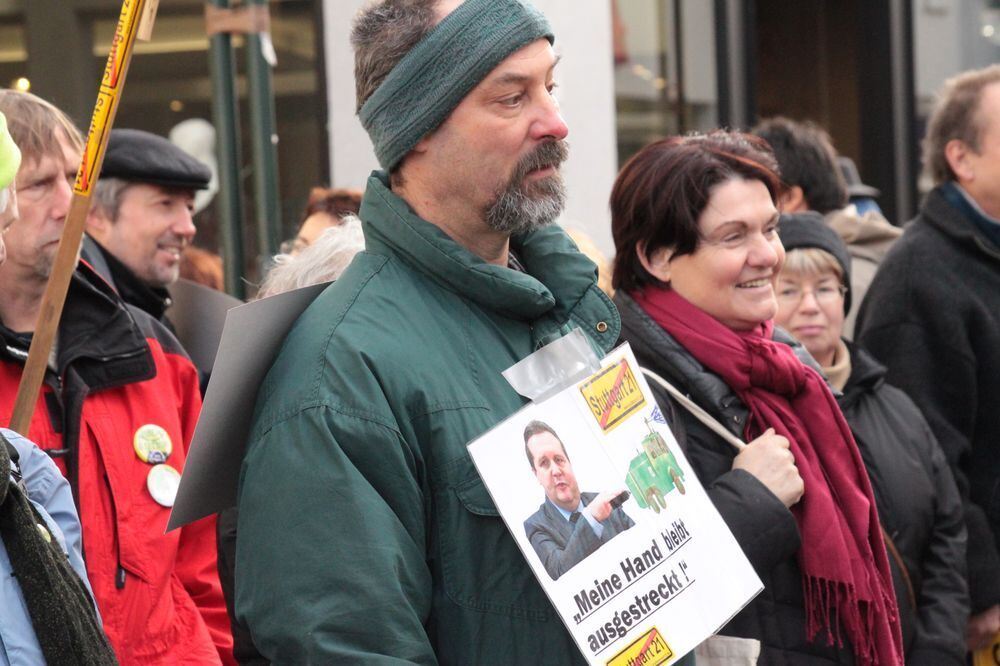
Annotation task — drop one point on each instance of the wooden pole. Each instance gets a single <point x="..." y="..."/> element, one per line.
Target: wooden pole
<point x="133" y="12"/>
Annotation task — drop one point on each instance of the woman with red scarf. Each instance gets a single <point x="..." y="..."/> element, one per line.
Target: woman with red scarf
<point x="698" y="255"/>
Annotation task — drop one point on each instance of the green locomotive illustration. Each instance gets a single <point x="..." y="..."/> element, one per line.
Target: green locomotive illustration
<point x="654" y="472"/>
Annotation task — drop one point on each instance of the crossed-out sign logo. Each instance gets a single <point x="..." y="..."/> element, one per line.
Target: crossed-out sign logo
<point x="649" y="649"/>
<point x="613" y="394"/>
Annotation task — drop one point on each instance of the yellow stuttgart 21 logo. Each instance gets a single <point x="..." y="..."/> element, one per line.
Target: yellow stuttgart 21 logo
<point x="613" y="394"/>
<point x="648" y="650"/>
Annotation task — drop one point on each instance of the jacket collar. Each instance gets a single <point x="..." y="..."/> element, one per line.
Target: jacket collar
<point x="867" y="374"/>
<point x="658" y="350"/>
<point x="134" y="291"/>
<point x="557" y="275"/>
<point x="947" y="210"/>
<point x="97" y="333"/>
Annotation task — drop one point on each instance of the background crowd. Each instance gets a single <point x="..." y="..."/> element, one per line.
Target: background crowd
<point x="857" y="357"/>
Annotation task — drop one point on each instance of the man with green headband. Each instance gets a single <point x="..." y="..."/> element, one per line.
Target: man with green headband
<point x="365" y="533"/>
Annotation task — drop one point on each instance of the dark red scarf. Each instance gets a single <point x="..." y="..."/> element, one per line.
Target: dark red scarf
<point x="844" y="566"/>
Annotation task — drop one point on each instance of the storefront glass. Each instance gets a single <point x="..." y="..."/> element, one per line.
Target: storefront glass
<point x="665" y="70"/>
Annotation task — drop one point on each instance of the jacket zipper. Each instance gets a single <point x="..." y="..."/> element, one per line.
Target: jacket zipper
<point x="120" y="571"/>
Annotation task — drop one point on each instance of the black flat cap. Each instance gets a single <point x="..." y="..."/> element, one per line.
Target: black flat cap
<point x="808" y="229"/>
<point x="143" y="157"/>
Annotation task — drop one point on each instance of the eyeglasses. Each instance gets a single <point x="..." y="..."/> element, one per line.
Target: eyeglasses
<point x="824" y="294"/>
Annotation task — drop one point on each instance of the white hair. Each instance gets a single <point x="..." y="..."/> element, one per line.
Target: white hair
<point x="322" y="261"/>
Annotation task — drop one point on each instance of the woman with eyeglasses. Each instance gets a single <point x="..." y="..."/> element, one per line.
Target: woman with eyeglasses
<point x="916" y="496"/>
<point x="698" y="257"/>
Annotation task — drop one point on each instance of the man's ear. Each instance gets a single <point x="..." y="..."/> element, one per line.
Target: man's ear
<point x="657" y="263"/>
<point x="957" y="153"/>
<point x="793" y="200"/>
<point x="97" y="224"/>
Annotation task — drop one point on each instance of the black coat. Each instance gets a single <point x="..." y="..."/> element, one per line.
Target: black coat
<point x="919" y="507"/>
<point x="932" y="316"/>
<point x="762" y="525"/>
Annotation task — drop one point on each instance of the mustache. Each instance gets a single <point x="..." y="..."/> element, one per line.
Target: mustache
<point x="551" y="153"/>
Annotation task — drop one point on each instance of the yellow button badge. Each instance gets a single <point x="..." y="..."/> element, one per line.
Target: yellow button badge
<point x="152" y="444"/>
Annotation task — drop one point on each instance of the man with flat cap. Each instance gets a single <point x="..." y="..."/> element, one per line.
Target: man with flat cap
<point x="140" y="218"/>
<point x="365" y="533"/>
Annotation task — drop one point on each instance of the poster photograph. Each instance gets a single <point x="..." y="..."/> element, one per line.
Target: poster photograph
<point x="610" y="517"/>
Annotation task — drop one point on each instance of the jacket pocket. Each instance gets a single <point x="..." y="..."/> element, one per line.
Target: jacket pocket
<point x="482" y="566"/>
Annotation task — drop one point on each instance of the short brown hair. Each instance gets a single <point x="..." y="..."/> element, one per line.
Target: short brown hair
<point x="957" y="116"/>
<point x="35" y="125"/>
<point x="383" y="33"/>
<point x="661" y="192"/>
<point x="807" y="159"/>
<point x="335" y="201"/>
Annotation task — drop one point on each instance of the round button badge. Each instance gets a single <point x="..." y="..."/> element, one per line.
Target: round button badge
<point x="152" y="444"/>
<point x="162" y="483"/>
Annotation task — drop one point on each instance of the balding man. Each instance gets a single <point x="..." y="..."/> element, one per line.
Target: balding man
<point x="932" y="316"/>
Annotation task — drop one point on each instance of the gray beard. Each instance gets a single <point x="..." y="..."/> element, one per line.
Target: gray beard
<point x="515" y="212"/>
<point x="522" y="207"/>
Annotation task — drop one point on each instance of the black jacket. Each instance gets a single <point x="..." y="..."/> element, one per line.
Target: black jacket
<point x="919" y="507"/>
<point x="763" y="526"/>
<point x="932" y="316"/>
<point x="152" y="300"/>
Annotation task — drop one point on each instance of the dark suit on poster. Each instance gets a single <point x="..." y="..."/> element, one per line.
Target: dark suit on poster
<point x="561" y="544"/>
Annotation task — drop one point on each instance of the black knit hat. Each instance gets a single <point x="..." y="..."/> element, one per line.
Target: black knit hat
<point x="139" y="156"/>
<point x="799" y="231"/>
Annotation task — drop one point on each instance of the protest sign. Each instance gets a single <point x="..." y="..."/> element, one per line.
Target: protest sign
<point x="613" y="522"/>
<point x="252" y="337"/>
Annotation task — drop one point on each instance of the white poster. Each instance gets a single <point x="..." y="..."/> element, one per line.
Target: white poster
<point x="612" y="520"/>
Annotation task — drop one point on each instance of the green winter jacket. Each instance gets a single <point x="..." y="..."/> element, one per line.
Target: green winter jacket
<point x="365" y="532"/>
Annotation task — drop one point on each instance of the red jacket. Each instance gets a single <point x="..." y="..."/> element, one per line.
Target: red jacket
<point x="118" y="369"/>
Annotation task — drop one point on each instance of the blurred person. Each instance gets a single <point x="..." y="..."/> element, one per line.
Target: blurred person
<point x="813" y="180"/>
<point x="397" y="365"/>
<point x="322" y="261"/>
<point x="915" y="491"/>
<point x="202" y="267"/>
<point x="932" y="317"/>
<point x="586" y="245"/>
<point x="47" y="613"/>
<point x="862" y="197"/>
<point x="327" y="208"/>
<point x="698" y="256"/>
<point x="140" y="219"/>
<point x="116" y="412"/>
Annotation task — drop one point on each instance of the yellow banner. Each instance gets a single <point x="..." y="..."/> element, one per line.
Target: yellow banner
<point x="989" y="655"/>
<point x="107" y="96"/>
<point x="650" y="649"/>
<point x="613" y="394"/>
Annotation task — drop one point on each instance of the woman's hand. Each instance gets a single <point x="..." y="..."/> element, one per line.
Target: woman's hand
<point x="770" y="459"/>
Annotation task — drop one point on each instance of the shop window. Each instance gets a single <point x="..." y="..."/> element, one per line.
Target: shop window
<point x="665" y="70"/>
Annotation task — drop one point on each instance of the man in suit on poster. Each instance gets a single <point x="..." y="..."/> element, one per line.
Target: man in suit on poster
<point x="569" y="525"/>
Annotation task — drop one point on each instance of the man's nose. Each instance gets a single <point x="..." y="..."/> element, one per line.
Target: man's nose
<point x="184" y="227"/>
<point x="550" y="123"/>
<point x="61" y="198"/>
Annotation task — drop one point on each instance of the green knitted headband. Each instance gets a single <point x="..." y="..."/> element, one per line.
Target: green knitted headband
<point x="10" y="156"/>
<point x="433" y="78"/>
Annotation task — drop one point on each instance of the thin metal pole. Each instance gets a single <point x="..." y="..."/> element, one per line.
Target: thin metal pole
<point x="225" y="115"/>
<point x="264" y="139"/>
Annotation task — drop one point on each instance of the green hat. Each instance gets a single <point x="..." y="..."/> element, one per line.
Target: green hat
<point x="10" y="156"/>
